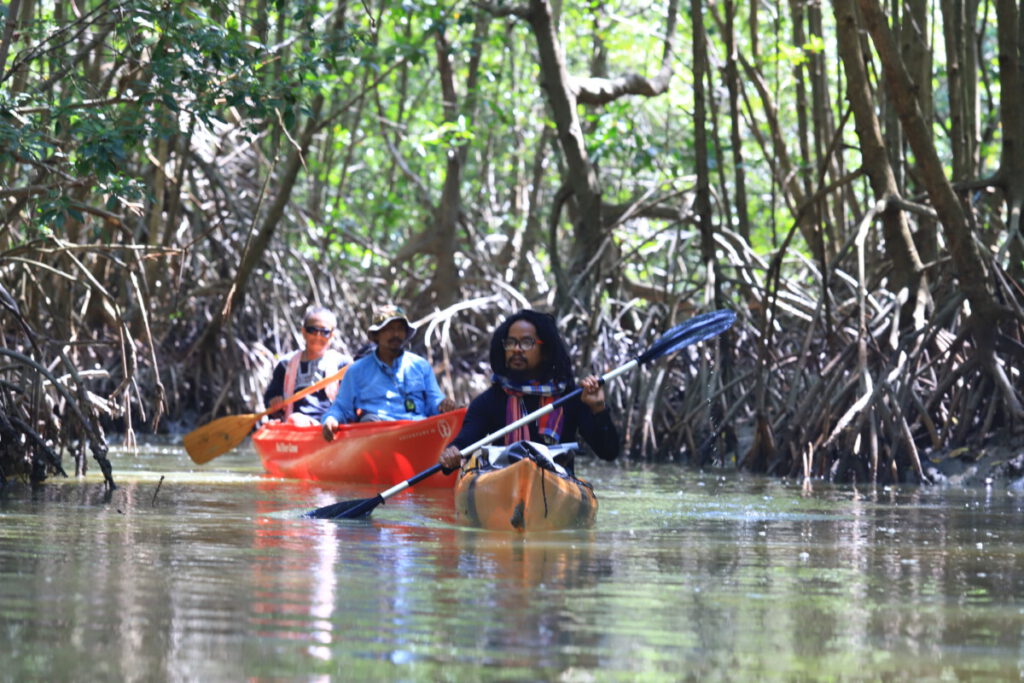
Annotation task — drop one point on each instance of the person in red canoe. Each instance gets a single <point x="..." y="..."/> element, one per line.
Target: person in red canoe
<point x="532" y="368"/>
<point x="390" y="383"/>
<point x="306" y="367"/>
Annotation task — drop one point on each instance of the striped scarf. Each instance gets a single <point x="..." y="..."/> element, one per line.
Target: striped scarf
<point x="549" y="426"/>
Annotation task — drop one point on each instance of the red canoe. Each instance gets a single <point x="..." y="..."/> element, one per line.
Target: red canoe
<point x="382" y="453"/>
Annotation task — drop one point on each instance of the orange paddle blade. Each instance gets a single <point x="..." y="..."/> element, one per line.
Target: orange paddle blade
<point x="218" y="437"/>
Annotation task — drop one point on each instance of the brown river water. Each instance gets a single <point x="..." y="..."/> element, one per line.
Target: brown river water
<point x="189" y="573"/>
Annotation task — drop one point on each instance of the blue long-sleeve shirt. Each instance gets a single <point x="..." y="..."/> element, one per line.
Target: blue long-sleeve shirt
<point x="403" y="390"/>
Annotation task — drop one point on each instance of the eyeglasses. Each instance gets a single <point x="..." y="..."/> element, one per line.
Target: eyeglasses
<point x="525" y="344"/>
<point x="322" y="331"/>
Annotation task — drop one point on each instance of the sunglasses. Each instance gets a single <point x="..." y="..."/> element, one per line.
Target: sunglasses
<point x="322" y="331"/>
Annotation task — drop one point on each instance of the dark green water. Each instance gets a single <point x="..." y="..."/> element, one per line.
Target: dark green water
<point x="686" y="576"/>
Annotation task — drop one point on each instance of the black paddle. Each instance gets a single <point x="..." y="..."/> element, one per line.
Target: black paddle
<point x="694" y="330"/>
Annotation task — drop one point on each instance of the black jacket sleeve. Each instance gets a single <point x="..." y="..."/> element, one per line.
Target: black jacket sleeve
<point x="485" y="415"/>
<point x="276" y="386"/>
<point x="599" y="432"/>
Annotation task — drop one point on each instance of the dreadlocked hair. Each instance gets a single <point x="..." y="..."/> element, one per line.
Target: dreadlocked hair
<point x="556" y="365"/>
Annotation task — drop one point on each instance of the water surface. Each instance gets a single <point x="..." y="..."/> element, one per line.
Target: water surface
<point x="210" y="573"/>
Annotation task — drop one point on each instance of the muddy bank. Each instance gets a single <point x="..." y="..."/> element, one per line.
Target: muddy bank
<point x="1000" y="463"/>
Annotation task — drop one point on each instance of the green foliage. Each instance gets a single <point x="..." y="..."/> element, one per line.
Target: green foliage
<point x="20" y="141"/>
<point x="381" y="158"/>
<point x="176" y="64"/>
<point x="102" y="145"/>
<point x="194" y="65"/>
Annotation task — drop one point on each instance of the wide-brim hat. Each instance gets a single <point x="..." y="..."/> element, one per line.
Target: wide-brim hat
<point x="387" y="314"/>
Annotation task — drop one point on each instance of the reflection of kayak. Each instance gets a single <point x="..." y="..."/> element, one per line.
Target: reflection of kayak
<point x="557" y="564"/>
<point x="363" y="453"/>
<point x="526" y="492"/>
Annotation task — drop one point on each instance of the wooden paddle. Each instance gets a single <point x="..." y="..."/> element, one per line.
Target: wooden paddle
<point x="220" y="436"/>
<point x="698" y="329"/>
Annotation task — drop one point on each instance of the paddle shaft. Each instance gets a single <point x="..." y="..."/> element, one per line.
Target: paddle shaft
<point x="490" y="438"/>
<point x="305" y="392"/>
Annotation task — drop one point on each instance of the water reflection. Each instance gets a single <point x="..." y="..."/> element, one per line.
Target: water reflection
<point x="294" y="598"/>
<point x="216" y="576"/>
<point x="519" y="600"/>
<point x="558" y="560"/>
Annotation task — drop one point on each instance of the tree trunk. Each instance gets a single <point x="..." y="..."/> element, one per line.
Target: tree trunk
<point x="971" y="272"/>
<point x="907" y="269"/>
<point x="583" y="181"/>
<point x="826" y="160"/>
<point x="970" y="268"/>
<point x="256" y="247"/>
<point x="439" y="240"/>
<point x="732" y="81"/>
<point x="916" y="51"/>
<point x="1011" y="114"/>
<point x="958" y="18"/>
<point x="702" y="201"/>
<point x="444" y="288"/>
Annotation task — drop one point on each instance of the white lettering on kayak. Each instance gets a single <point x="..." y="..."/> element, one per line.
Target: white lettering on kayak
<point x="422" y="432"/>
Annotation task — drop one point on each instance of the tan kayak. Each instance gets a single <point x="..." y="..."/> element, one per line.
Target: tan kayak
<point x="526" y="495"/>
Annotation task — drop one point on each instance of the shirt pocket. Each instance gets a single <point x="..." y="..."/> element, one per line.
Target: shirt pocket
<point x="416" y="387"/>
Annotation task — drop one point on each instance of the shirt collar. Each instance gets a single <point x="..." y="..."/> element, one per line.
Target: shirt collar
<point x="397" y="363"/>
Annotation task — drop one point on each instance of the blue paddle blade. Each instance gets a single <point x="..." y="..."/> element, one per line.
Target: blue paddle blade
<point x="697" y="329"/>
<point x="346" y="509"/>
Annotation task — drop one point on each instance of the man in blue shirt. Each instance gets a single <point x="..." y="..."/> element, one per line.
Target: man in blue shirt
<point x="390" y="383"/>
